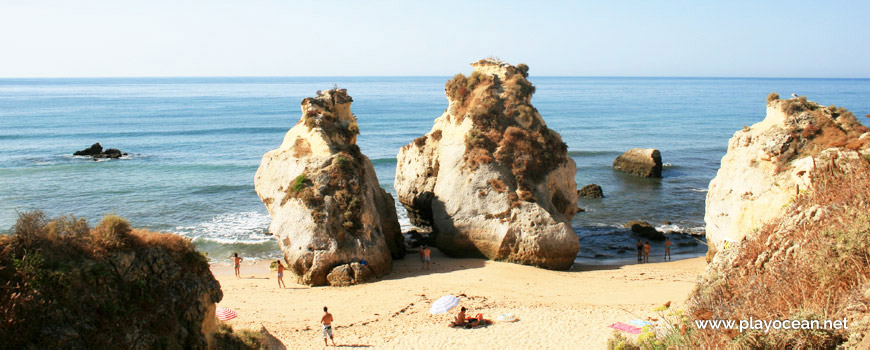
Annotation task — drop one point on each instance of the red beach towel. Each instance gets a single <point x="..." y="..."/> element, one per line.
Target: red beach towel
<point x="625" y="328"/>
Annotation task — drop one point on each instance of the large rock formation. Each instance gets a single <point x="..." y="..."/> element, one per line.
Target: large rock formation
<point x="490" y="178"/>
<point x="328" y="211"/>
<point x="644" y="162"/>
<point x="769" y="163"/>
<point x="809" y="263"/>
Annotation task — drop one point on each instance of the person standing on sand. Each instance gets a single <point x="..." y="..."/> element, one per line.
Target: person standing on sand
<point x="326" y="321"/>
<point x="237" y="261"/>
<point x="668" y="248"/>
<point x="646" y="249"/>
<point x="281" y="275"/>
<point x="639" y="251"/>
<point x="427" y="257"/>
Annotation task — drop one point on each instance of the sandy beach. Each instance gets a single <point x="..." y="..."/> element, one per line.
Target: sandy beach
<point x="555" y="309"/>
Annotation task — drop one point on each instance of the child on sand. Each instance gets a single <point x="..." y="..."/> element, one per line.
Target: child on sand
<point x="667" y="248"/>
<point x="646" y="249"/>
<point x="427" y="257"/>
<point x="237" y="262"/>
<point x="281" y="275"/>
<point x="326" y="321"/>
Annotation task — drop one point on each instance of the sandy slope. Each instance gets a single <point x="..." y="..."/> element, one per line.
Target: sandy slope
<point x="556" y="310"/>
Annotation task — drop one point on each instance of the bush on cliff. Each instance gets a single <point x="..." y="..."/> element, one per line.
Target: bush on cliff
<point x="814" y="128"/>
<point x="65" y="285"/>
<point x="506" y="127"/>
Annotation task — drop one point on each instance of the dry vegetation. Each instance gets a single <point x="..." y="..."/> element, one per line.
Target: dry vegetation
<point x="320" y="115"/>
<point x="811" y="264"/>
<point x="815" y="128"/>
<point x="64" y="284"/>
<point x="506" y="129"/>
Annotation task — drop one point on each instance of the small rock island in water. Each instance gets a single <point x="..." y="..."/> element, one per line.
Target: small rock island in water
<point x="96" y="151"/>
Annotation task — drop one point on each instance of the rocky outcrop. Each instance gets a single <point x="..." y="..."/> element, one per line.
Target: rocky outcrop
<point x="490" y="178"/>
<point x="769" y="163"/>
<point x="96" y="151"/>
<point x="592" y="191"/>
<point x="644" y="162"/>
<point x="645" y="230"/>
<point x="328" y="211"/>
<point x="67" y="286"/>
<point x="814" y="254"/>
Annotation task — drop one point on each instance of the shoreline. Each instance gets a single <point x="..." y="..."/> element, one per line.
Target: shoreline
<point x="553" y="307"/>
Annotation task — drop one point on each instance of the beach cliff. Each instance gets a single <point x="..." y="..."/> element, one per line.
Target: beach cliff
<point x="334" y="223"/>
<point x="490" y="178"/>
<point x="788" y="228"/>
<point x="769" y="163"/>
<point x="69" y="286"/>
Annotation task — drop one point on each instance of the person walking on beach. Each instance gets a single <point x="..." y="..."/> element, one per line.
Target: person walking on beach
<point x="326" y="321"/>
<point x="427" y="257"/>
<point x="281" y="275"/>
<point x="237" y="261"/>
<point x="639" y="251"/>
<point x="668" y="248"/>
<point x="646" y="249"/>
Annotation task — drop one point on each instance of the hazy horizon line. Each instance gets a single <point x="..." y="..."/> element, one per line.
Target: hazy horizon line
<point x="531" y="77"/>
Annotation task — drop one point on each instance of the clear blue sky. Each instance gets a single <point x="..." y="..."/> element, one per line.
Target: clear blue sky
<point x="97" y="38"/>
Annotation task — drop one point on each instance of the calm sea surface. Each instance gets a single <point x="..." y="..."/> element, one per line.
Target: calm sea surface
<point x="196" y="143"/>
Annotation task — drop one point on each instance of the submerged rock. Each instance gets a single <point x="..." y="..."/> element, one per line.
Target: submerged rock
<point x="641" y="162"/>
<point x="645" y="230"/>
<point x="769" y="163"/>
<point x="328" y="211"/>
<point x="490" y="178"/>
<point x="592" y="191"/>
<point x="96" y="151"/>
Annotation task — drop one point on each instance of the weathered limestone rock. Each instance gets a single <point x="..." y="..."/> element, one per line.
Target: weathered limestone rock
<point x="645" y="162"/>
<point x="768" y="163"/>
<point x="490" y="178"/>
<point x="328" y="210"/>
<point x="592" y="191"/>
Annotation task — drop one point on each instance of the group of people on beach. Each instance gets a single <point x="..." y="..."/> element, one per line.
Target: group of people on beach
<point x="325" y="321"/>
<point x="643" y="250"/>
<point x="237" y="263"/>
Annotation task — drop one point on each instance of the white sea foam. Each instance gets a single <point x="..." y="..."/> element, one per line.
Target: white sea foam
<point x="671" y="227"/>
<point x="698" y="189"/>
<point x="404" y="222"/>
<point x="243" y="227"/>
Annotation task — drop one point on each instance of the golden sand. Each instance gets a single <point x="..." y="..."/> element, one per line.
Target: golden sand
<point x="555" y="309"/>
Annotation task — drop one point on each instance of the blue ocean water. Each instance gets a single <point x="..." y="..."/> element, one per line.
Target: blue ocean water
<point x="196" y="143"/>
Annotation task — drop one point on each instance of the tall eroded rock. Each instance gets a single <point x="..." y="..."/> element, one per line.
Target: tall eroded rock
<point x="328" y="211"/>
<point x="490" y="178"/>
<point x="768" y="163"/>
